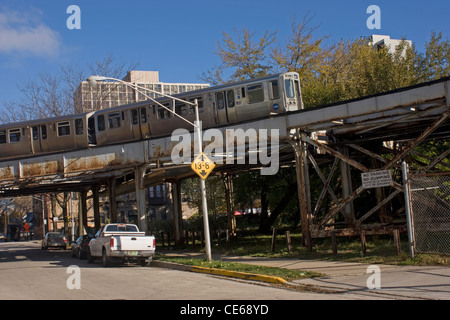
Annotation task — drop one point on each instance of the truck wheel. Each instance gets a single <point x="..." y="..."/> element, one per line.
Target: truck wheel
<point x="146" y="262"/>
<point x="105" y="259"/>
<point x="90" y="258"/>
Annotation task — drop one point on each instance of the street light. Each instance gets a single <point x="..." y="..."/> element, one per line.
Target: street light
<point x="93" y="80"/>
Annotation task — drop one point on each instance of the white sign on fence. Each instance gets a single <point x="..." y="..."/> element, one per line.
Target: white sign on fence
<point x="376" y="179"/>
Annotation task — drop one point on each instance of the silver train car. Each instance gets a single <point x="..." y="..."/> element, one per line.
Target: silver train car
<point x="220" y="105"/>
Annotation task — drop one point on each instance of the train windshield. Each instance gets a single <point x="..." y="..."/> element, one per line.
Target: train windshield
<point x="289" y="85"/>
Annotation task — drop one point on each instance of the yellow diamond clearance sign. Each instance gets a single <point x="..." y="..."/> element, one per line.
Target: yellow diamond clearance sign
<point x="202" y="165"/>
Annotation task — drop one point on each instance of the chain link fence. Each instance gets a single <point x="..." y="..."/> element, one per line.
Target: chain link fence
<point x="430" y="201"/>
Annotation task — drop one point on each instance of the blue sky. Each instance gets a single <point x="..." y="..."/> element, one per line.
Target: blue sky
<point x="178" y="38"/>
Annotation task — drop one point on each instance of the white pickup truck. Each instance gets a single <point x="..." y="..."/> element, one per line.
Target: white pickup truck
<point x="119" y="242"/>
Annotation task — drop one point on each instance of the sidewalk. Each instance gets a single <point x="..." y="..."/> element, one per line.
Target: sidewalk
<point x="396" y="282"/>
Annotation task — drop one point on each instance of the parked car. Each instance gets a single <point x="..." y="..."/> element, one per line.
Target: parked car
<point x="80" y="247"/>
<point x="54" y="240"/>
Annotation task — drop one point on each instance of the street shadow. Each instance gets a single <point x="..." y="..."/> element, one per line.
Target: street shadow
<point x="33" y="252"/>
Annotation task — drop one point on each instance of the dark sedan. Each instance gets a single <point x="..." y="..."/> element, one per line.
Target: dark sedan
<point x="80" y="247"/>
<point x="54" y="240"/>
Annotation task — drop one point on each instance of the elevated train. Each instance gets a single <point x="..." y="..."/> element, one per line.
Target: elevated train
<point x="220" y="105"/>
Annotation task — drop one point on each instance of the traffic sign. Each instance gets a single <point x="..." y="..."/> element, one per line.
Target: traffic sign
<point x="202" y="165"/>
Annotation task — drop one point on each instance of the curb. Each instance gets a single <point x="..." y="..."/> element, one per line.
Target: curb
<point x="218" y="272"/>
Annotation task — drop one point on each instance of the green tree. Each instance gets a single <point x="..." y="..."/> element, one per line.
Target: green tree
<point x="243" y="55"/>
<point x="435" y="63"/>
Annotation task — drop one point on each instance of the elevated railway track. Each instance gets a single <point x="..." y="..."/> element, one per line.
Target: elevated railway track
<point x="335" y="142"/>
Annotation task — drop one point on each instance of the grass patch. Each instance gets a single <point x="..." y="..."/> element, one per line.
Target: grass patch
<point x="380" y="249"/>
<point x="286" y="274"/>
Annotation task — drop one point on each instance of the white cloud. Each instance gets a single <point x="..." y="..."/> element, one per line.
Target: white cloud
<point x="25" y="33"/>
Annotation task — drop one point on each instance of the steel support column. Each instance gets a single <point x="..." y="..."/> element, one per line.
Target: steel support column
<point x="300" y="163"/>
<point x="231" y="219"/>
<point x="346" y="182"/>
<point x="112" y="201"/>
<point x="139" y="174"/>
<point x="177" y="212"/>
<point x="84" y="210"/>
<point x="96" y="200"/>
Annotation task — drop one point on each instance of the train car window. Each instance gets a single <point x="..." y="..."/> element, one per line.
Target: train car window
<point x="220" y="100"/>
<point x="3" y="136"/>
<point x="154" y="109"/>
<point x="63" y="129"/>
<point x="180" y="108"/>
<point x="134" y="117"/>
<point x="166" y="113"/>
<point x="14" y="135"/>
<point x="243" y="92"/>
<point x="255" y="93"/>
<point x="44" y="132"/>
<point x="289" y="88"/>
<point x="101" y="122"/>
<point x="274" y="91"/>
<point x="79" y="128"/>
<point x="114" y="120"/>
<point x="161" y="111"/>
<point x="35" y="133"/>
<point x="230" y="99"/>
<point x="200" y="105"/>
<point x="143" y="115"/>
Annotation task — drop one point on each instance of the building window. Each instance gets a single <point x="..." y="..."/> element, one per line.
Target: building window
<point x="158" y="191"/>
<point x="152" y="214"/>
<point x="151" y="192"/>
